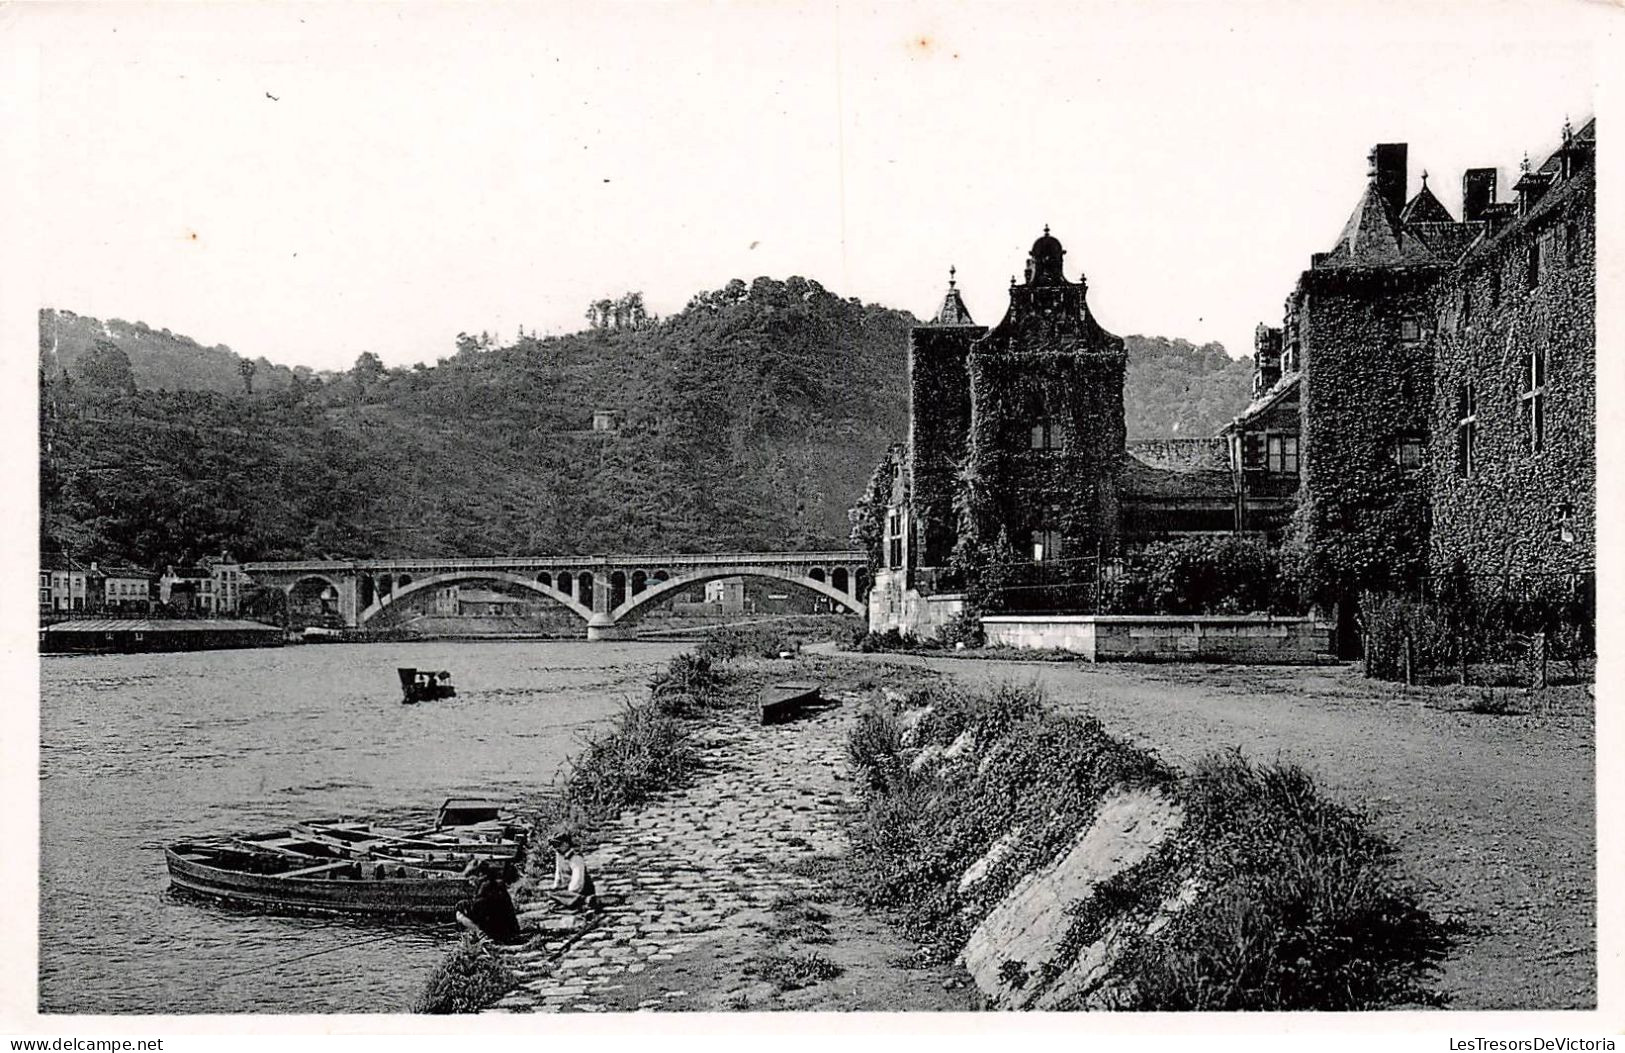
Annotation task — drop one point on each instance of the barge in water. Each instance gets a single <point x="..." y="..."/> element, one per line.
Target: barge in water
<point x="131" y="635"/>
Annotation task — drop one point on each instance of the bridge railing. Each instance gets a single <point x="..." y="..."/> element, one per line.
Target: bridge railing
<point x="545" y="562"/>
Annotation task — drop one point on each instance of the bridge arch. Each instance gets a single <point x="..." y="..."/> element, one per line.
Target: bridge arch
<point x="408" y="586"/>
<point x="633" y="607"/>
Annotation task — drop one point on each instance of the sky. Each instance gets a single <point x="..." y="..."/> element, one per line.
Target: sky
<point x="305" y="183"/>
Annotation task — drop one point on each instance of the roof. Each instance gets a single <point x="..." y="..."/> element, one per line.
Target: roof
<point x="1142" y="481"/>
<point x="58" y="561"/>
<point x="150" y="625"/>
<point x="1425" y="208"/>
<point x="953" y="310"/>
<point x="1278" y="391"/>
<point x="1582" y="181"/>
<point x="121" y="570"/>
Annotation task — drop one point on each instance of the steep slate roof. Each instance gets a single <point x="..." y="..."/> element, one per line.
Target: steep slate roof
<point x="1373" y="236"/>
<point x="1425" y="208"/>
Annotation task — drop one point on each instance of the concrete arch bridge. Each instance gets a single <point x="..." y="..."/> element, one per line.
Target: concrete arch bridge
<point x="608" y="593"/>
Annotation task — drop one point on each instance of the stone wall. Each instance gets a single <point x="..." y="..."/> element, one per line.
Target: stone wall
<point x="1512" y="514"/>
<point x="1104" y="638"/>
<point x="893" y="604"/>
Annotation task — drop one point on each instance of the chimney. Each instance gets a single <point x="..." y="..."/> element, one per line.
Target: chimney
<point x="1266" y="358"/>
<point x="1388" y="169"/>
<point x="1477" y="193"/>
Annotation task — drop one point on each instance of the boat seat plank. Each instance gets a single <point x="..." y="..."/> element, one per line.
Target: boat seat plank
<point x="309" y="871"/>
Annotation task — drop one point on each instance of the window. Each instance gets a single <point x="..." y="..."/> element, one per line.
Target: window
<point x="1252" y="450"/>
<point x="1043" y="435"/>
<point x="1466" y="429"/>
<point x="1408" y="452"/>
<point x="1283" y="454"/>
<point x="1495" y="286"/>
<point x="1531" y="277"/>
<point x="1571" y="243"/>
<point x="1533" y="399"/>
<point x="1046" y="538"/>
<point x="894" y="538"/>
<point x="1410" y="331"/>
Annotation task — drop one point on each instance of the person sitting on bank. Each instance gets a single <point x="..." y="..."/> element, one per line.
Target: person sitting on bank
<point x="490" y="912"/>
<point x="573" y="887"/>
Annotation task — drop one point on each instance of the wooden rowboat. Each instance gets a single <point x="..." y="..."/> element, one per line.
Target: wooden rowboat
<point x="286" y="882"/>
<point x="785" y="701"/>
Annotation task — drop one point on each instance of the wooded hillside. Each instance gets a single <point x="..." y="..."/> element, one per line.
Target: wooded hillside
<point x="750" y="420"/>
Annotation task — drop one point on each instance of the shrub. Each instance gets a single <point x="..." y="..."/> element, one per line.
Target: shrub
<point x="646" y="752"/>
<point x="1301" y="908"/>
<point x="688" y="685"/>
<point x="1391" y="620"/>
<point x="790" y="971"/>
<point x="890" y="640"/>
<point x="745" y="641"/>
<point x="963" y="628"/>
<point x="466" y="980"/>
<point x="1201" y="575"/>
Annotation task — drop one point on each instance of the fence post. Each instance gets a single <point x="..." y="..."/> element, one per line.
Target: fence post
<point x="1537" y="670"/>
<point x="1410" y="661"/>
<point x="1365" y="649"/>
<point x="1461" y="651"/>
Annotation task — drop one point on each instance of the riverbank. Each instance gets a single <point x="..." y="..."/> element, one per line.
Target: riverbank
<point x="1488" y="799"/>
<point x="732" y="901"/>
<point x="716" y="907"/>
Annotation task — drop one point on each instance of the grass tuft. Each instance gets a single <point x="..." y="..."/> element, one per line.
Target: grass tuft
<point x="467" y="980"/>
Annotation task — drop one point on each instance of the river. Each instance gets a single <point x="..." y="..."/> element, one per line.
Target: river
<point x="137" y="751"/>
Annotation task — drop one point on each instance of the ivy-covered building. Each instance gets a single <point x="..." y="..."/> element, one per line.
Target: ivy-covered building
<point x="1428" y="402"/>
<point x="1016" y="454"/>
<point x="1432" y="385"/>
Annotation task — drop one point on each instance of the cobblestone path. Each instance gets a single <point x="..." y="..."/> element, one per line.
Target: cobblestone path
<point x="699" y="866"/>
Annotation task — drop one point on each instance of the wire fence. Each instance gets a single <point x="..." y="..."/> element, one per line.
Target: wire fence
<point x="1482" y="628"/>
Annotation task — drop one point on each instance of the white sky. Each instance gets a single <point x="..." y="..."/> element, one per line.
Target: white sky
<point x="427" y="169"/>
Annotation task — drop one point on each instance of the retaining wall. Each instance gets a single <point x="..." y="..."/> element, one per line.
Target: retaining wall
<point x="1105" y="637"/>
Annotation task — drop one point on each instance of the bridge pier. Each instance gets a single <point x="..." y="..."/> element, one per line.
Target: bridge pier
<point x="608" y="630"/>
<point x="601" y="626"/>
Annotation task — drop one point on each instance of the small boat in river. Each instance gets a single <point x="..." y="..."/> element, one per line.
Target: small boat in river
<point x="423" y="685"/>
<point x="241" y="874"/>
<point x="352" y="865"/>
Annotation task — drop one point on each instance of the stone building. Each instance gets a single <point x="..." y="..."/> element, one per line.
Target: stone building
<point x="1427" y="401"/>
<point x="1512" y="462"/>
<point x="1433" y="382"/>
<point x="1016" y="452"/>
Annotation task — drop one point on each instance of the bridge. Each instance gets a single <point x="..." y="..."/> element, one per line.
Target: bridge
<point x="608" y="593"/>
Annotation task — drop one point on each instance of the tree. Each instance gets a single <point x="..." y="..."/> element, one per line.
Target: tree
<point x="107" y="367"/>
<point x="247" y="367"/>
